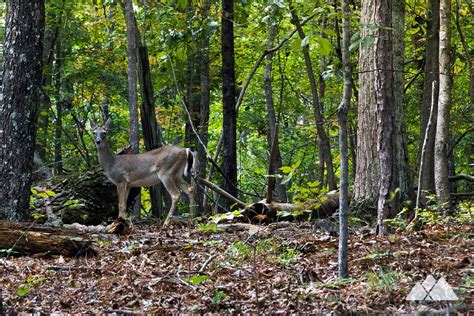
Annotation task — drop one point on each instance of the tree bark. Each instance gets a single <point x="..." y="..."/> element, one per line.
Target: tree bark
<point x="444" y="103"/>
<point x="342" y="119"/>
<point x="22" y="73"/>
<point x="205" y="99"/>
<point x="28" y="239"/>
<point x="323" y="139"/>
<point x="431" y="74"/>
<point x="384" y="80"/>
<point x="132" y="52"/>
<point x="367" y="177"/>
<point x="401" y="167"/>
<point x="58" y="159"/>
<point x="229" y="121"/>
<point x="280" y="191"/>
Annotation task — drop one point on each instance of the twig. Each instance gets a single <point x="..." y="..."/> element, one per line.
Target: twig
<point x="206" y="263"/>
<point x="178" y="275"/>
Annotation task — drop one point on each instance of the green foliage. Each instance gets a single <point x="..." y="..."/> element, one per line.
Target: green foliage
<point x="238" y="253"/>
<point x="382" y="281"/>
<point x="218" y="297"/>
<point x="210" y="228"/>
<point x="197" y="279"/>
<point x="25" y="288"/>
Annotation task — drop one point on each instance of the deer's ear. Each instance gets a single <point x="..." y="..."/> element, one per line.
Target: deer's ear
<point x="93" y="125"/>
<point x="107" y="124"/>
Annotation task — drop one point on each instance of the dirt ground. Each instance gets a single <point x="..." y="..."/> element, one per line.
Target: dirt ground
<point x="278" y="268"/>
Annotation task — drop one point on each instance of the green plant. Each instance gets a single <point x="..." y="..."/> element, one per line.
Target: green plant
<point x="197" y="279"/>
<point x="382" y="280"/>
<point x="29" y="283"/>
<point x="210" y="228"/>
<point x="287" y="256"/>
<point x="225" y="216"/>
<point x="238" y="252"/>
<point x="218" y="297"/>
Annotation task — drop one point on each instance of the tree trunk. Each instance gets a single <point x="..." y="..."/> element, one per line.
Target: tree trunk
<point x="132" y="52"/>
<point x="58" y="159"/>
<point x="323" y="139"/>
<point x="431" y="74"/>
<point x="375" y="156"/>
<point x="342" y="119"/>
<point x="132" y="75"/>
<point x="367" y="175"/>
<point x="280" y="192"/>
<point x="229" y="121"/>
<point x="444" y="103"/>
<point x="402" y="174"/>
<point x="22" y="73"/>
<point x="205" y="91"/>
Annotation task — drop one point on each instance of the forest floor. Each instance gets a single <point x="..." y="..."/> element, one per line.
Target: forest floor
<point x="278" y="268"/>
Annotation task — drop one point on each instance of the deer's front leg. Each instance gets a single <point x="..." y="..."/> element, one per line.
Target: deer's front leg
<point x="122" y="189"/>
<point x="170" y="185"/>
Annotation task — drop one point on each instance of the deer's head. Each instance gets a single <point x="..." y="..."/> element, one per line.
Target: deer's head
<point x="100" y="133"/>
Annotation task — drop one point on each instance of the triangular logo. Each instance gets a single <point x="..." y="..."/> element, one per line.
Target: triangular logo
<point x="442" y="291"/>
<point x="432" y="290"/>
<point x="417" y="293"/>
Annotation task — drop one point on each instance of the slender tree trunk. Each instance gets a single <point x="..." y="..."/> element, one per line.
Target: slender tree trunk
<point x="205" y="99"/>
<point x="444" y="103"/>
<point x="342" y="119"/>
<point x="132" y="75"/>
<point x="58" y="159"/>
<point x="22" y="73"/>
<point x="132" y="71"/>
<point x="280" y="192"/>
<point x="323" y="139"/>
<point x="228" y="97"/>
<point x="431" y="74"/>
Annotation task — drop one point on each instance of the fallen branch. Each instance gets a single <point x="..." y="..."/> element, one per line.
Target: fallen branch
<point x="28" y="239"/>
<point x="461" y="176"/>
<point x="222" y="192"/>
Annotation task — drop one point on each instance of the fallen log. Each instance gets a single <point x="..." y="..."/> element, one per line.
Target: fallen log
<point x="20" y="238"/>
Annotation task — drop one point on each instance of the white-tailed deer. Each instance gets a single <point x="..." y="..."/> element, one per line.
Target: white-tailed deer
<point x="165" y="165"/>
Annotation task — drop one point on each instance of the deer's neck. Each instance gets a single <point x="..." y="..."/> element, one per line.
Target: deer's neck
<point x="105" y="157"/>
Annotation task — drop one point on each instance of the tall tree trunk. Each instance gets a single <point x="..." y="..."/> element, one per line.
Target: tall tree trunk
<point x="342" y="119"/>
<point x="402" y="174"/>
<point x="367" y="177"/>
<point x="132" y="51"/>
<point x="58" y="159"/>
<point x="22" y="73"/>
<point x="323" y="139"/>
<point x="431" y="74"/>
<point x="229" y="121"/>
<point x="444" y="103"/>
<point x="280" y="192"/>
<point x="375" y="155"/>
<point x="205" y="99"/>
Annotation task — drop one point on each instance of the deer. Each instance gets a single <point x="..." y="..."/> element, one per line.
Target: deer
<point x="165" y="165"/>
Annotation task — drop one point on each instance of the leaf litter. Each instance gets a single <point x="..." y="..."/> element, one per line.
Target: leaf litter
<point x="284" y="268"/>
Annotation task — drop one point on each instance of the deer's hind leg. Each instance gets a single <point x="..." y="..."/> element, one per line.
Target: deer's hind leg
<point x="170" y="186"/>
<point x="189" y="191"/>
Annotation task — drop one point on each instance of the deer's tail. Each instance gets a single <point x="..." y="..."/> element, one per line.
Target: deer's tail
<point x="191" y="163"/>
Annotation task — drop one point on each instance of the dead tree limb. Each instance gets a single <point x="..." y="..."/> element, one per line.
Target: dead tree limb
<point x="27" y="239"/>
<point x="461" y="176"/>
<point x="222" y="192"/>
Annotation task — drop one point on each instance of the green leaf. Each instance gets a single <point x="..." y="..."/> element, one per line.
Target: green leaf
<point x="23" y="290"/>
<point x="218" y="297"/>
<point x="324" y="46"/>
<point x="197" y="279"/>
